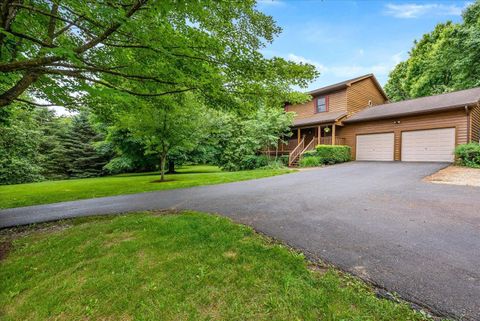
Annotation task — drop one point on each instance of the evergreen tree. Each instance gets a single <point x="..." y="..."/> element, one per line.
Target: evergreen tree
<point x="54" y="130"/>
<point x="81" y="156"/>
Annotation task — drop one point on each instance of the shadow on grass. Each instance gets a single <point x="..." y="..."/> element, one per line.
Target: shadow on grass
<point x="178" y="171"/>
<point x="164" y="181"/>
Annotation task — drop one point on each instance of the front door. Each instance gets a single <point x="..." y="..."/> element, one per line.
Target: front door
<point x="308" y="133"/>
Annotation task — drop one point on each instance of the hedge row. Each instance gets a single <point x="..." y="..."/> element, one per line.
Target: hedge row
<point x="326" y="155"/>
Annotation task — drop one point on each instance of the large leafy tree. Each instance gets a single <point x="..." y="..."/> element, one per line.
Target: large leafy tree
<point x="446" y="59"/>
<point x="239" y="140"/>
<point x="60" y="50"/>
<point x="165" y="125"/>
<point x="20" y="137"/>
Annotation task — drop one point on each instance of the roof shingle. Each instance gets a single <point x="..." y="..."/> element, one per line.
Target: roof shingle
<point x="319" y="118"/>
<point x="423" y="105"/>
<point x="345" y="84"/>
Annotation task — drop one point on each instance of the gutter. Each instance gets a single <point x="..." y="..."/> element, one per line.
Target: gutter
<point x="406" y="114"/>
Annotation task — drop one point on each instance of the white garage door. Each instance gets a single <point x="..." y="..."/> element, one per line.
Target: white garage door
<point x="375" y="147"/>
<point x="433" y="145"/>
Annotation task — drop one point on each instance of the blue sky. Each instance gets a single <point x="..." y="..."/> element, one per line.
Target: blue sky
<point x="345" y="39"/>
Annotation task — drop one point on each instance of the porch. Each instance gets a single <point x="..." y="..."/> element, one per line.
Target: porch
<point x="306" y="138"/>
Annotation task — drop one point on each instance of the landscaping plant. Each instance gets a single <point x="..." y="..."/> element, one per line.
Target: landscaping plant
<point x="468" y="155"/>
<point x="326" y="155"/>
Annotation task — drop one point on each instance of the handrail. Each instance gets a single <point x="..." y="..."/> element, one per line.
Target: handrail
<point x="312" y="142"/>
<point x="294" y="154"/>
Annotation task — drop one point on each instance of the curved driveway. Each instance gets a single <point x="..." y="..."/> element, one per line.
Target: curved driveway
<point x="376" y="220"/>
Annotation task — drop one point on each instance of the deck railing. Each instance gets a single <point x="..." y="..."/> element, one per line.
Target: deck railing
<point x="328" y="141"/>
<point x="296" y="152"/>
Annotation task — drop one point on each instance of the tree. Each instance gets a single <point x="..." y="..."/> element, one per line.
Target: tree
<point x="444" y="60"/>
<point x="20" y="159"/>
<point x="165" y="125"/>
<point x="241" y="138"/>
<point x="54" y="131"/>
<point x="59" y="51"/>
<point x="129" y="152"/>
<point x="82" y="157"/>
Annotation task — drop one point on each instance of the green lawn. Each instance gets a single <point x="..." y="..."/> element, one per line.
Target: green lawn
<point x="189" y="266"/>
<point x="74" y="189"/>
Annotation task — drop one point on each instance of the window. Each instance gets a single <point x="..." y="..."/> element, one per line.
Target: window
<point x="321" y="104"/>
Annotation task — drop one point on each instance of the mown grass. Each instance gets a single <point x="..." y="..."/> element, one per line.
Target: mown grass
<point x="75" y="189"/>
<point x="190" y="266"/>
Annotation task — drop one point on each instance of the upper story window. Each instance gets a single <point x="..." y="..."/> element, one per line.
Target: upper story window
<point x="321" y="104"/>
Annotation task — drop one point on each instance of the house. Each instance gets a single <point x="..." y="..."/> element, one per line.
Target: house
<point x="356" y="113"/>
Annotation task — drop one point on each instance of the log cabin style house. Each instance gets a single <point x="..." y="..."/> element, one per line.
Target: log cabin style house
<point x="357" y="113"/>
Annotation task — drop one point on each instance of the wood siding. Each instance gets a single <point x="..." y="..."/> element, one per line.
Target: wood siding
<point x="457" y="119"/>
<point x="302" y="110"/>
<point x="475" y="124"/>
<point x="359" y="93"/>
<point x="351" y="99"/>
<point x="337" y="101"/>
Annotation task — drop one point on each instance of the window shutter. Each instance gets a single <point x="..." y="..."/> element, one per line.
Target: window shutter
<point x="327" y="103"/>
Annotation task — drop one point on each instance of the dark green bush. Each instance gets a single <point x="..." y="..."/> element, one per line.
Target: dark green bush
<point x="310" y="161"/>
<point x="468" y="155"/>
<point x="283" y="159"/>
<point x="333" y="154"/>
<point x="254" y="161"/>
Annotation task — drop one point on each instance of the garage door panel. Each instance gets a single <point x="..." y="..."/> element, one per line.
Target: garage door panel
<point x="433" y="145"/>
<point x="375" y="147"/>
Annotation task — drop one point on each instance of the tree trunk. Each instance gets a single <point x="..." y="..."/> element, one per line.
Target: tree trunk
<point x="162" y="168"/>
<point x="171" y="167"/>
<point x="9" y="96"/>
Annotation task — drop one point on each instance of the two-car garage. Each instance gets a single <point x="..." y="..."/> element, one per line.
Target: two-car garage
<point x="424" y="129"/>
<point x="432" y="145"/>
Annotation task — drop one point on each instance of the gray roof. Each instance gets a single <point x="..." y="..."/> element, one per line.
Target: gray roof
<point x="345" y="84"/>
<point x="424" y="105"/>
<point x="319" y="118"/>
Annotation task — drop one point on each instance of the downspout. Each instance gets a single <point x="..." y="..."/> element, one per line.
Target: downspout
<point x="469" y="137"/>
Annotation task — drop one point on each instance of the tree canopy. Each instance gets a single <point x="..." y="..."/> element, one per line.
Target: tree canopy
<point x="444" y="60"/>
<point x="61" y="51"/>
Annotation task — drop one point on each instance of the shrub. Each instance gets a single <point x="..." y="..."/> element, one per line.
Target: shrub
<point x="332" y="154"/>
<point x="310" y="161"/>
<point x="283" y="159"/>
<point x="254" y="161"/>
<point x="468" y="154"/>
<point x="275" y="164"/>
<point x="310" y="153"/>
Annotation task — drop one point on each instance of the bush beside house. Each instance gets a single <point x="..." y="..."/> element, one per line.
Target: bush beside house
<point x="468" y="155"/>
<point x="326" y="155"/>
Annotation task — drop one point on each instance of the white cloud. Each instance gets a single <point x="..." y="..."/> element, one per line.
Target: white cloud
<point x="271" y="3"/>
<point x="330" y="74"/>
<point x="414" y="10"/>
<point x="352" y="70"/>
<point x="300" y="59"/>
<point x="398" y="57"/>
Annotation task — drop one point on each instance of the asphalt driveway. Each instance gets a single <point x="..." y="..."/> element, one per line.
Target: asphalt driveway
<point x="379" y="221"/>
